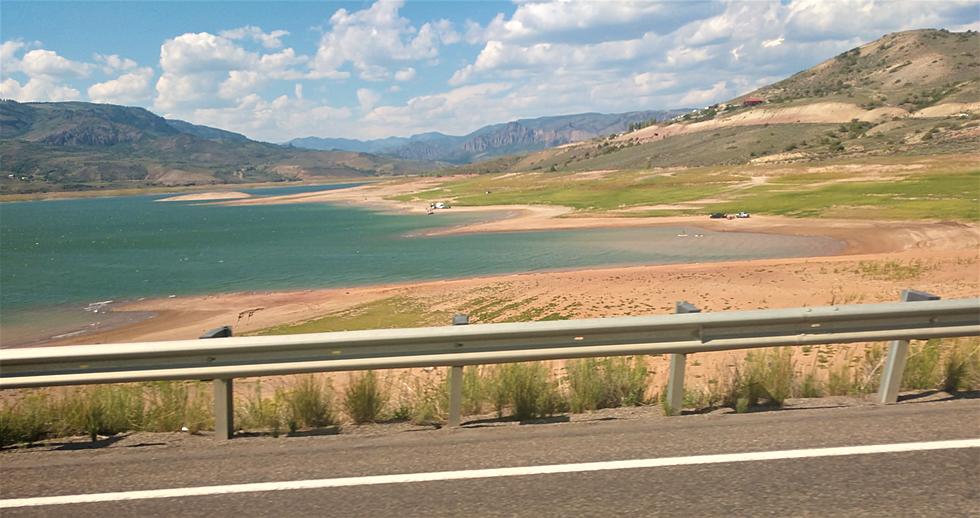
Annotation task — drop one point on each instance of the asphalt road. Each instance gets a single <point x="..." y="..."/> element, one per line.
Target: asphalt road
<point x="942" y="482"/>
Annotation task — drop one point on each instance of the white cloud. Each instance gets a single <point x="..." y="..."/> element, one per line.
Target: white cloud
<point x="206" y="70"/>
<point x="278" y="120"/>
<point x="406" y="74"/>
<point x="773" y="43"/>
<point x="589" y="21"/>
<point x="113" y="63"/>
<point x="45" y="73"/>
<point x="42" y="62"/>
<point x="130" y="88"/>
<point x="269" y="40"/>
<point x="37" y="89"/>
<point x="203" y="52"/>
<point x="372" y="40"/>
<point x="367" y="99"/>
<point x="9" y="62"/>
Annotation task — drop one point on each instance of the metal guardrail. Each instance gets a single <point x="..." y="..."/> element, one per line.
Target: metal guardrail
<point x="223" y="359"/>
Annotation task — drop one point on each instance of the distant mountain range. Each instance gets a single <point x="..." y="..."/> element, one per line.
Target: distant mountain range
<point x="79" y="146"/>
<point x="520" y="136"/>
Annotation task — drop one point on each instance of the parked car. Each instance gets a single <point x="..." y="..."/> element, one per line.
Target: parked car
<point x="717" y="215"/>
<point x="742" y="214"/>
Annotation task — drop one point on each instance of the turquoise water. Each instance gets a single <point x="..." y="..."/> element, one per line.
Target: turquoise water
<point x="57" y="257"/>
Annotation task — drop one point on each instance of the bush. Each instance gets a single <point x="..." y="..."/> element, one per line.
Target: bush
<point x="262" y="413"/>
<point x="923" y="369"/>
<point x="309" y="404"/>
<point x="365" y="398"/>
<point x="527" y="389"/>
<point x="961" y="370"/>
<point x="28" y="420"/>
<point x="100" y="410"/>
<point x="171" y="405"/>
<point x="605" y="383"/>
<point x="765" y="377"/>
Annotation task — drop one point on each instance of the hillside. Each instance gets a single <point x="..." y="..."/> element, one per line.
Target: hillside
<point x="518" y="136"/>
<point x="78" y="146"/>
<point x="909" y="93"/>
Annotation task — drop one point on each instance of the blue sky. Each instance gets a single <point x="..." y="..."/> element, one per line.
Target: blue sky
<point x="280" y="70"/>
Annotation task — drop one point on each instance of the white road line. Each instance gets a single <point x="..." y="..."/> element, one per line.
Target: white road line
<point x="488" y="473"/>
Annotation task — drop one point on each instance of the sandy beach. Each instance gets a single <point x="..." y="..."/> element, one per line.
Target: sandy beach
<point x="936" y="256"/>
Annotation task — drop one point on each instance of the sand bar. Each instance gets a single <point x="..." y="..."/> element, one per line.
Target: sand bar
<point x="208" y="196"/>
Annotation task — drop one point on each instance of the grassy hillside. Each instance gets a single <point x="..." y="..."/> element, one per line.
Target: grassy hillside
<point x="914" y="93"/>
<point x="82" y="146"/>
<point x="912" y="70"/>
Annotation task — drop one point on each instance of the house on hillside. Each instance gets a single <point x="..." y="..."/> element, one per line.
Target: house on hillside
<point x="752" y="101"/>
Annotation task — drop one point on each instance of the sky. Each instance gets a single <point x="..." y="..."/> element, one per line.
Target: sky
<point x="281" y="70"/>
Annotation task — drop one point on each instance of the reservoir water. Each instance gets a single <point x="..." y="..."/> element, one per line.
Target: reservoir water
<point x="58" y="257"/>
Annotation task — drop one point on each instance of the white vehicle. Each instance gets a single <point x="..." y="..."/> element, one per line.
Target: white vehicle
<point x="742" y="214"/>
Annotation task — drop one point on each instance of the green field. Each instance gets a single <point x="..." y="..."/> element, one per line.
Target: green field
<point x="934" y="188"/>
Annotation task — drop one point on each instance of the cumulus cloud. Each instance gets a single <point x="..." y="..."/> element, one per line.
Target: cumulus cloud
<point x="406" y="74"/>
<point x="202" y="69"/>
<point x="113" y="63"/>
<point x="130" y="88"/>
<point x="587" y="22"/>
<point x="277" y="120"/>
<point x="9" y="62"/>
<point x="269" y="40"/>
<point x="43" y="62"/>
<point x="37" y="89"/>
<point x="45" y="73"/>
<point x="373" y="40"/>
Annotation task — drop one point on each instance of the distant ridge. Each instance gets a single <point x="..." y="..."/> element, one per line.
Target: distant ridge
<point x="81" y="146"/>
<point x="518" y="136"/>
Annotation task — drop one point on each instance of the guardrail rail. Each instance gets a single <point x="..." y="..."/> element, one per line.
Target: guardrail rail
<point x="689" y="331"/>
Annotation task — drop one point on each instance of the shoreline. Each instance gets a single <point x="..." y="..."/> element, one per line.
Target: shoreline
<point x="187" y="317"/>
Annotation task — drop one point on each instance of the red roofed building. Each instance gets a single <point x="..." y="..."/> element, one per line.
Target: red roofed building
<point x="752" y="101"/>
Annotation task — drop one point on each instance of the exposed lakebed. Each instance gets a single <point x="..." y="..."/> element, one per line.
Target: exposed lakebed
<point x="60" y="259"/>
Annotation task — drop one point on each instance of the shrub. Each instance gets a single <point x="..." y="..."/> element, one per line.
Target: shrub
<point x="28" y="420"/>
<point x="605" y="383"/>
<point x="430" y="402"/>
<point x="309" y="404"/>
<point x="259" y="412"/>
<point x="527" y="389"/>
<point x="923" y="369"/>
<point x="961" y="370"/>
<point x="365" y="398"/>
<point x="170" y="405"/>
<point x="100" y="410"/>
<point x="766" y="376"/>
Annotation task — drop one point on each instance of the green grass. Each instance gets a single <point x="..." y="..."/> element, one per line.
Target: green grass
<point x="104" y="410"/>
<point x="936" y="195"/>
<point x="388" y="313"/>
<point x="892" y="270"/>
<point x="948" y="191"/>
<point x="623" y="189"/>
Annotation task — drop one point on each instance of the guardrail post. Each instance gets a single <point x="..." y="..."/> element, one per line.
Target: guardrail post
<point x="224" y="402"/>
<point x="898" y="350"/>
<point x="675" y="381"/>
<point x="456" y="381"/>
